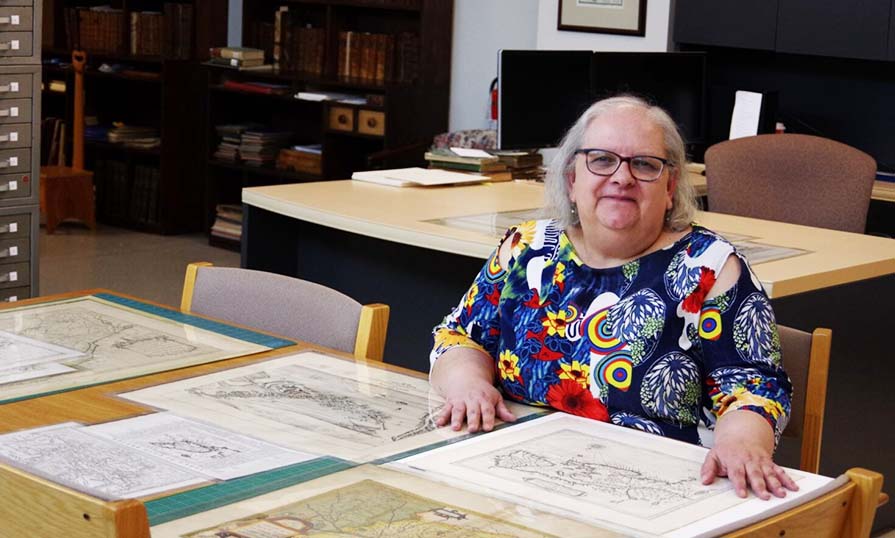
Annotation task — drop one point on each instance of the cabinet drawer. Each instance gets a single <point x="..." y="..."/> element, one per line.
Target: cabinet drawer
<point x="16" y="19"/>
<point x="14" y="44"/>
<point x="16" y="135"/>
<point x="15" y="250"/>
<point x="15" y="110"/>
<point x="15" y="226"/>
<point x="13" y="275"/>
<point x="15" y="160"/>
<point x="341" y="118"/>
<point x="15" y="186"/>
<point x="371" y="122"/>
<point x="11" y="295"/>
<point x="15" y="85"/>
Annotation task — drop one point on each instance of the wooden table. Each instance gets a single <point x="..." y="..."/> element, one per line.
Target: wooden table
<point x="35" y="507"/>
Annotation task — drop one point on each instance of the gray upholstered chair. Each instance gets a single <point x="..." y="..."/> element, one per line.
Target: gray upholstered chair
<point x="800" y="179"/>
<point x="286" y="306"/>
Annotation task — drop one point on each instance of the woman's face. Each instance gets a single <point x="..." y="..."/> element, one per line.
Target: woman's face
<point x="619" y="202"/>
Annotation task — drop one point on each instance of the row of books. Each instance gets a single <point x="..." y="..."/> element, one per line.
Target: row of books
<point x="102" y="29"/>
<point x="227" y="222"/>
<point x="250" y="143"/>
<point x="497" y="164"/>
<point x="127" y="193"/>
<point x="297" y="46"/>
<point x="379" y="57"/>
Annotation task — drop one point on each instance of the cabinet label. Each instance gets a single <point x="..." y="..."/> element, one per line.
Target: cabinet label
<point x="14" y="45"/>
<point x="13" y="276"/>
<point x="14" y="136"/>
<point x="14" y="250"/>
<point x="13" y="185"/>
<point x="13" y="226"/>
<point x="13" y="86"/>
<point x="13" y="161"/>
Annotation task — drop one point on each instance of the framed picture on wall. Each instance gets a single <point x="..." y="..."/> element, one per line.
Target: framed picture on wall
<point x="625" y="17"/>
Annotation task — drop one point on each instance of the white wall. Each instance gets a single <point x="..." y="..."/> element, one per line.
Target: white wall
<point x="234" y="23"/>
<point x="656" y="39"/>
<point x="481" y="28"/>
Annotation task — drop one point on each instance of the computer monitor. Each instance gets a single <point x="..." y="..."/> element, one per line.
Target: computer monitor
<point x="540" y="94"/>
<point x="675" y="81"/>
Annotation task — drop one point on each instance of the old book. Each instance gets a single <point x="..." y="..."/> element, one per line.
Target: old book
<point x="238" y="53"/>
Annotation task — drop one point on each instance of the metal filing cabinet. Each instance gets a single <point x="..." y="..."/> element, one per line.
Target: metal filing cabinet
<point x="19" y="147"/>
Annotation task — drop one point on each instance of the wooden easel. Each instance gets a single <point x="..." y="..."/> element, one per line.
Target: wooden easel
<point x="67" y="192"/>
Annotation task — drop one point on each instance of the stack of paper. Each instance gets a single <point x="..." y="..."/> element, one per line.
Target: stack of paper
<point x="416" y="177"/>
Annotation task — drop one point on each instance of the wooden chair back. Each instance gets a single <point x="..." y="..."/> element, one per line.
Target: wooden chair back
<point x="286" y="306"/>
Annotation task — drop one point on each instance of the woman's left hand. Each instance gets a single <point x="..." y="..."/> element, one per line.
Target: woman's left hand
<point x="744" y="446"/>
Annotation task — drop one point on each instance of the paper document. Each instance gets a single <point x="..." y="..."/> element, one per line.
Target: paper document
<point x="416" y="177"/>
<point x="470" y="152"/>
<point x="208" y="450"/>
<point x="746" y="114"/>
<point x="602" y="474"/>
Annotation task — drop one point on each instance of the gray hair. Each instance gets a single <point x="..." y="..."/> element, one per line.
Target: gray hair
<point x="559" y="206"/>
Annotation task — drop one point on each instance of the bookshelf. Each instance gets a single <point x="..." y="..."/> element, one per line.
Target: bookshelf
<point x="143" y="73"/>
<point x="389" y="60"/>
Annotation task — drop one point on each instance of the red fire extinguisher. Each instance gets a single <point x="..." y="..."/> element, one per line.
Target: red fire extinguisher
<point x="493" y="92"/>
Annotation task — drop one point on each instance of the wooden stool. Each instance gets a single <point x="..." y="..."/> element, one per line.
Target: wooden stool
<point x="66" y="193"/>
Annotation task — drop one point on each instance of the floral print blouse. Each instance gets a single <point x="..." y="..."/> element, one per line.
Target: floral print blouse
<point x="640" y="340"/>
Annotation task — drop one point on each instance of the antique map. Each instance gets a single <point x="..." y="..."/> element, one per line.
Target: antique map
<point x="107" y="342"/>
<point x="599" y="473"/>
<point x="373" y="502"/>
<point x="313" y="402"/>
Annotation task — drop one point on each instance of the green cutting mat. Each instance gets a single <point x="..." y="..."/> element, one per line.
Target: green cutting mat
<point x="216" y="495"/>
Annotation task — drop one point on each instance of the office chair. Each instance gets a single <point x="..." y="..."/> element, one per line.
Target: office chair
<point x="286" y="306"/>
<point x="800" y="179"/>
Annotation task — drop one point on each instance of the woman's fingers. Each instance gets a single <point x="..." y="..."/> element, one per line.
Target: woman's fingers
<point x="504" y="413"/>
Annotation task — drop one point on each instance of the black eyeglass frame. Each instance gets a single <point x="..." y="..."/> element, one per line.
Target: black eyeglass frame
<point x="585" y="151"/>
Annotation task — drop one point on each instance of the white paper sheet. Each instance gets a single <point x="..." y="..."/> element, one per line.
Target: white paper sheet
<point x="471" y="152"/>
<point x="416" y="177"/>
<point x="746" y="114"/>
<point x="205" y="449"/>
<point x="316" y="403"/>
<point x="599" y="473"/>
<point x="67" y="455"/>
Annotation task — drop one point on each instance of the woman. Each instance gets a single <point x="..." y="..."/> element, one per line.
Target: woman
<point x="619" y="309"/>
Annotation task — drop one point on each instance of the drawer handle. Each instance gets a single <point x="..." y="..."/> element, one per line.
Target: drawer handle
<point x="11" y="276"/>
<point x="12" y="20"/>
<point x="10" y="162"/>
<point x="9" y="45"/>
<point x="371" y="122"/>
<point x="9" y="252"/>
<point x="12" y="87"/>
<point x="11" y="112"/>
<point x="342" y="119"/>
<point x="9" y="228"/>
<point x="9" y="186"/>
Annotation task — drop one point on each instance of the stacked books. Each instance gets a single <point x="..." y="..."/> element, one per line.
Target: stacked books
<point x="448" y="160"/>
<point x="523" y="164"/>
<point x="242" y="58"/>
<point x="134" y="136"/>
<point x="228" y="149"/>
<point x="227" y="222"/>
<point x="260" y="147"/>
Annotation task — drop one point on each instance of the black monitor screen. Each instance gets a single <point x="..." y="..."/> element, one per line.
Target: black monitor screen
<point x="673" y="80"/>
<point x="541" y="93"/>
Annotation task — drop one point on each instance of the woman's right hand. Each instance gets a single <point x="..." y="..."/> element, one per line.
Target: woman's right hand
<point x="476" y="402"/>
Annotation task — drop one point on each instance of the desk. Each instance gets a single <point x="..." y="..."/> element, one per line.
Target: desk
<point x="35" y="507"/>
<point x="379" y="244"/>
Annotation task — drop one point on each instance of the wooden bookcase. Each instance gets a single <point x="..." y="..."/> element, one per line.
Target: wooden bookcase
<point x="158" y="84"/>
<point x="406" y="104"/>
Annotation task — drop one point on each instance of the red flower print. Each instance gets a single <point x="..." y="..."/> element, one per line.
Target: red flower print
<point x="569" y="396"/>
<point x="546" y="354"/>
<point x="539" y="336"/>
<point x="693" y="302"/>
<point x="494" y="296"/>
<point x="535" y="301"/>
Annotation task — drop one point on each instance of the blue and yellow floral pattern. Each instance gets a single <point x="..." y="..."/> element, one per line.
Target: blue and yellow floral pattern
<point x="640" y="345"/>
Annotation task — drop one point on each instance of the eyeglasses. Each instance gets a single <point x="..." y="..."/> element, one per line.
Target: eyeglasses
<point x="603" y="162"/>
